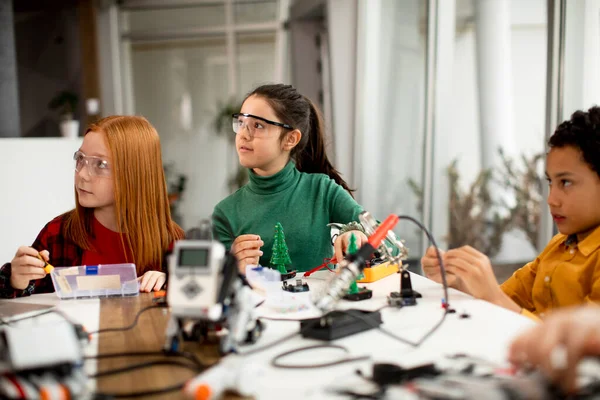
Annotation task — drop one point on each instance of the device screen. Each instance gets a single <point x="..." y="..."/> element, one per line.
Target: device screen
<point x="193" y="258"/>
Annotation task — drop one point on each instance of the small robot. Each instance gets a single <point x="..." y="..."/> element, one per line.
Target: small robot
<point x="207" y="296"/>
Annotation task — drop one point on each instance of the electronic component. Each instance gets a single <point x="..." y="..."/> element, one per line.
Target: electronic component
<point x="362" y="293"/>
<point x="298" y="287"/>
<point x="375" y="272"/>
<point x="288" y="275"/>
<point x="406" y="296"/>
<point x="339" y="324"/>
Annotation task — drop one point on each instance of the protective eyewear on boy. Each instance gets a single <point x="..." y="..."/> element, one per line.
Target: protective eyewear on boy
<point x="96" y="165"/>
<point x="254" y="124"/>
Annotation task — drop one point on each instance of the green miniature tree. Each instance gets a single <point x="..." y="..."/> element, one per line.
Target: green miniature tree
<point x="280" y="256"/>
<point x="352" y="248"/>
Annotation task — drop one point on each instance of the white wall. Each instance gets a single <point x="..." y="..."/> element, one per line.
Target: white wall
<point x="36" y="185"/>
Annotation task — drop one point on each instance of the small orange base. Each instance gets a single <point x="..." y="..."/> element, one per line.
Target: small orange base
<point x="378" y="272"/>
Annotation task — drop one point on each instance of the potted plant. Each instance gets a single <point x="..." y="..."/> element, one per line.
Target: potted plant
<point x="65" y="103"/>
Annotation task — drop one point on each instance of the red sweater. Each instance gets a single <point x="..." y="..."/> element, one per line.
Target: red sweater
<point x="107" y="246"/>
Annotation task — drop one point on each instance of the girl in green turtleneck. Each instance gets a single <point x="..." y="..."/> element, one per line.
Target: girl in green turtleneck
<point x="280" y="139"/>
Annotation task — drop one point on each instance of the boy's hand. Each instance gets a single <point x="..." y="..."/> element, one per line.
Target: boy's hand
<point x="559" y="343"/>
<point x="341" y="243"/>
<point x="476" y="277"/>
<point x="25" y="266"/>
<point x="246" y="248"/>
<point x="432" y="270"/>
<point x="431" y="264"/>
<point x="474" y="270"/>
<point x="152" y="281"/>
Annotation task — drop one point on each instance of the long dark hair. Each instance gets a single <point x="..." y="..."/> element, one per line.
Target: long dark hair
<point x="294" y="109"/>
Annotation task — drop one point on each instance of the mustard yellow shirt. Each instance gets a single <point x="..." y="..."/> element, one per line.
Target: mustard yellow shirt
<point x="566" y="273"/>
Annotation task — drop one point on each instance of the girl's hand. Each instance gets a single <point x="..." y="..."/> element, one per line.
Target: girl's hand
<point x="246" y="248"/>
<point x="25" y="266"/>
<point x="341" y="243"/>
<point x="152" y="280"/>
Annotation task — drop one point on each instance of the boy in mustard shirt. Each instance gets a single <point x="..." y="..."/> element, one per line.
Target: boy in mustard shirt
<point x="567" y="272"/>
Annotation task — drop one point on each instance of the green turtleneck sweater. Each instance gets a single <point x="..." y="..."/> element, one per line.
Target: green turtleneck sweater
<point x="303" y="203"/>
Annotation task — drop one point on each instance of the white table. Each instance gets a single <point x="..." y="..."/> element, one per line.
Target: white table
<point x="485" y="334"/>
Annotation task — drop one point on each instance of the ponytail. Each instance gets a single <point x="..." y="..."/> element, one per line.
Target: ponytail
<point x="298" y="111"/>
<point x="313" y="159"/>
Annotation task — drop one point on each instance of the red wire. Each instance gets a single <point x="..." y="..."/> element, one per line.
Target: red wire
<point x="325" y="264"/>
<point x="13" y="379"/>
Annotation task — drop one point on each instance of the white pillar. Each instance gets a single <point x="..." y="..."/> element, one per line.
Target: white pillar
<point x="342" y="26"/>
<point x="443" y="118"/>
<point x="282" y="53"/>
<point x="108" y="41"/>
<point x="369" y="129"/>
<point x="494" y="80"/>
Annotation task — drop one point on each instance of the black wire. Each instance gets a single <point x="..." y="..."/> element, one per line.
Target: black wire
<point x="276" y="364"/>
<point x="269" y="345"/>
<point x="184" y="354"/>
<point x="282" y="339"/>
<point x="394" y="336"/>
<point x="437" y="251"/>
<point x="143" y="365"/>
<point x="147" y="393"/>
<point x="128" y="327"/>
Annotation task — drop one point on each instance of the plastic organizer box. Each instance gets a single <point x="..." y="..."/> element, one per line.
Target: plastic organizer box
<point x="104" y="280"/>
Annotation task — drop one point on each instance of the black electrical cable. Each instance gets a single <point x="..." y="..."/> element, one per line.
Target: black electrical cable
<point x="128" y="327"/>
<point x="437" y="251"/>
<point x="394" y="336"/>
<point x="269" y="345"/>
<point x="189" y="356"/>
<point x="280" y="340"/>
<point x="146" y="364"/>
<point x="275" y="361"/>
<point x="198" y="367"/>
